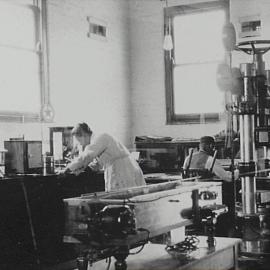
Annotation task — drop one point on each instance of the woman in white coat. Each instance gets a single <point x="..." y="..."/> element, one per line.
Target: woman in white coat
<point x="121" y="170"/>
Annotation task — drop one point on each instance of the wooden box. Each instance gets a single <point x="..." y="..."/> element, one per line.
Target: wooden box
<point x="23" y="156"/>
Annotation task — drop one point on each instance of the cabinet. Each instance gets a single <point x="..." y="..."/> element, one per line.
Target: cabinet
<point x="23" y="156"/>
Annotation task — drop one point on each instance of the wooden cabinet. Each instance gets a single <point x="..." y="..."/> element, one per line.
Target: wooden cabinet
<point x="23" y="156"/>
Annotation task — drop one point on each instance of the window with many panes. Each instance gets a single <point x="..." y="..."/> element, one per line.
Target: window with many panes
<point x="21" y="61"/>
<point x="191" y="88"/>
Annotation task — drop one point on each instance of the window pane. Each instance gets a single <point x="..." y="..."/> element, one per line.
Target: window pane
<point x="19" y="80"/>
<point x="17" y="25"/>
<point x="20" y="85"/>
<point x="196" y="90"/>
<point x="197" y="38"/>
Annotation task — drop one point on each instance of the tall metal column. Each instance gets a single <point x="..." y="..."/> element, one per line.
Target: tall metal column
<point x="247" y="146"/>
<point x="254" y="117"/>
<point x="247" y="155"/>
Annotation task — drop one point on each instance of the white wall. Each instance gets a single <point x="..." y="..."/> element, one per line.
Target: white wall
<point x="118" y="85"/>
<point x="30" y="131"/>
<point x="147" y="76"/>
<point x="89" y="78"/>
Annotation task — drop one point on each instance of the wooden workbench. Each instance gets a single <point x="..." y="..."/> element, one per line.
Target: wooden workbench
<point x="155" y="257"/>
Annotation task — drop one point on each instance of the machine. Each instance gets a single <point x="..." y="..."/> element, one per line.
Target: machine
<point x="252" y="108"/>
<point x="112" y="223"/>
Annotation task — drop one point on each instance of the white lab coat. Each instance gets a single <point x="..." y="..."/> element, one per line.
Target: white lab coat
<point x="120" y="169"/>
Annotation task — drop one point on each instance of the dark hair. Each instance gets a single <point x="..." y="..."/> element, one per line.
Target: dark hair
<point x="207" y="140"/>
<point x="81" y="128"/>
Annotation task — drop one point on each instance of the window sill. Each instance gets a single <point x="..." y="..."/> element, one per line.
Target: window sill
<point x="185" y="119"/>
<point x="19" y="117"/>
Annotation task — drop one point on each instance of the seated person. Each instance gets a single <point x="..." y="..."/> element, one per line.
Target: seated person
<point x="203" y="160"/>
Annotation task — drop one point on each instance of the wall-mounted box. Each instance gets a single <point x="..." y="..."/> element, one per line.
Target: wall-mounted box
<point x="250" y="26"/>
<point x="23" y="156"/>
<point x="97" y="28"/>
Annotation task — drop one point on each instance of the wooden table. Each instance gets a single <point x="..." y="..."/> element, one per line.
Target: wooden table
<point x="154" y="257"/>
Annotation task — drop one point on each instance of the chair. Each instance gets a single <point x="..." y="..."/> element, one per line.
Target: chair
<point x="190" y="172"/>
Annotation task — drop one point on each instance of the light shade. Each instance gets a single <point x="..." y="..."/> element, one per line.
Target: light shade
<point x="168" y="43"/>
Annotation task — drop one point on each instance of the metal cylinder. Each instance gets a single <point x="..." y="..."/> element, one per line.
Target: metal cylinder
<point x="248" y="69"/>
<point x="242" y="143"/>
<point x="247" y="154"/>
<point x="2" y="162"/>
<point x="248" y="138"/>
<point x="249" y="195"/>
<point x="259" y="63"/>
<point x="267" y="74"/>
<point x="48" y="165"/>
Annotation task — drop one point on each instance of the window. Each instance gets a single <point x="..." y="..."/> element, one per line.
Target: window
<point x="192" y="92"/>
<point x="21" y="54"/>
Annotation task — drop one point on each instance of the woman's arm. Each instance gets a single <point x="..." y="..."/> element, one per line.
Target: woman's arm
<point x="90" y="152"/>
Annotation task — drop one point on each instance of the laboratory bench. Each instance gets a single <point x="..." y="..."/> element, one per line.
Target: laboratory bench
<point x="32" y="214"/>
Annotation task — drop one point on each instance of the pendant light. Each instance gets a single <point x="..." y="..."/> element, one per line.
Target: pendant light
<point x="168" y="43"/>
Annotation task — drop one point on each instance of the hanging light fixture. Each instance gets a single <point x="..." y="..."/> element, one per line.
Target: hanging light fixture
<point x="168" y="43"/>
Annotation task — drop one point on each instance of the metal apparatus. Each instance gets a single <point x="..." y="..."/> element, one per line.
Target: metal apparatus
<point x="253" y="110"/>
<point x="111" y="223"/>
<point x="246" y="119"/>
<point x="2" y="162"/>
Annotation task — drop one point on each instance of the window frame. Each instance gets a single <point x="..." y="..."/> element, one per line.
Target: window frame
<point x="39" y="7"/>
<point x="169" y="14"/>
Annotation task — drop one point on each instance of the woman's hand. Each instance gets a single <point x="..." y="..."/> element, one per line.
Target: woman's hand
<point x="63" y="172"/>
<point x="78" y="171"/>
<point x="95" y="165"/>
<point x="67" y="171"/>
